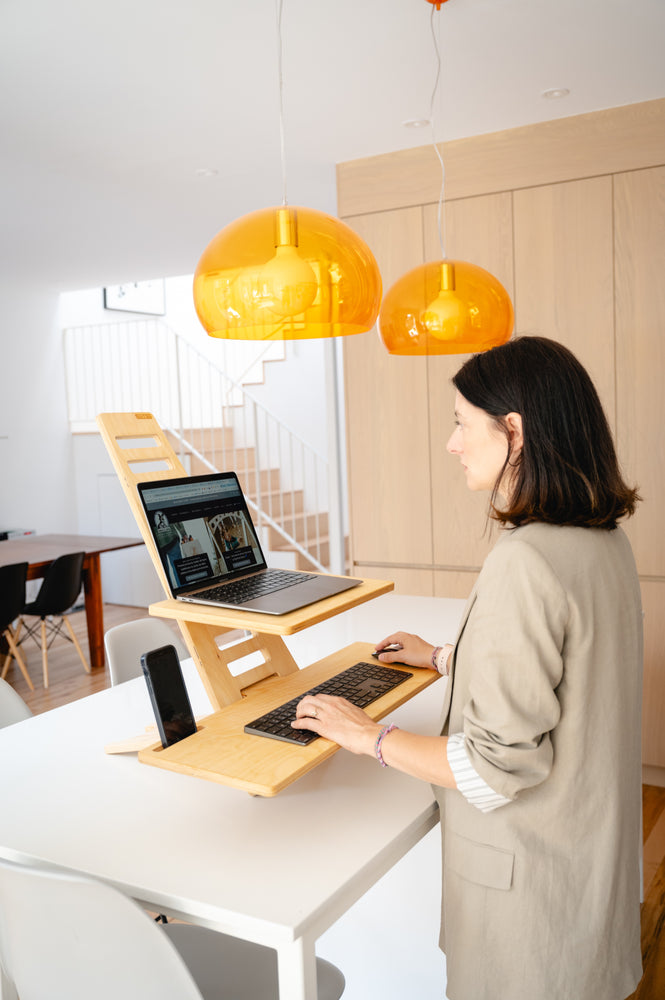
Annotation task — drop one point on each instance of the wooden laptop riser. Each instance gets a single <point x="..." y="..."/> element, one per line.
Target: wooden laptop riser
<point x="221" y="751"/>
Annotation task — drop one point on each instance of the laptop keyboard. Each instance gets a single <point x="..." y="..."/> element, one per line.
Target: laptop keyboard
<point x="360" y="684"/>
<point x="241" y="591"/>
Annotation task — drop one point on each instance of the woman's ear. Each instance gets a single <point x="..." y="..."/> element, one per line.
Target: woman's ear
<point x="514" y="424"/>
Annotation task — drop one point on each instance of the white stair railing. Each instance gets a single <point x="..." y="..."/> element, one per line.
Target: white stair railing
<point x="216" y="423"/>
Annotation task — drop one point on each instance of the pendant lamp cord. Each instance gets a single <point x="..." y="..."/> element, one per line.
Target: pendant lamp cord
<point x="440" y="216"/>
<point x="279" y="5"/>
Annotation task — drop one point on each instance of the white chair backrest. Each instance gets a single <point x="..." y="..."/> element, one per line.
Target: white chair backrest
<point x="126" y="643"/>
<point x="67" y="936"/>
<point x="12" y="707"/>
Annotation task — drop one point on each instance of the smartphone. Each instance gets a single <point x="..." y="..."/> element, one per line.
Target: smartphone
<point x="168" y="694"/>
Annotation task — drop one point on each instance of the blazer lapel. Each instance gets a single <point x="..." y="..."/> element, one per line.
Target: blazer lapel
<point x="451" y="676"/>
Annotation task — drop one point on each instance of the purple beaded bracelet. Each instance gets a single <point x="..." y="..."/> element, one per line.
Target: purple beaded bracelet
<point x="379" y="741"/>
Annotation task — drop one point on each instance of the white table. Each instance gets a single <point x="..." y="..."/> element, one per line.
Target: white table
<point x="276" y="871"/>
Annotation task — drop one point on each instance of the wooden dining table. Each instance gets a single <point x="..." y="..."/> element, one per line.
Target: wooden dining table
<point x="39" y="551"/>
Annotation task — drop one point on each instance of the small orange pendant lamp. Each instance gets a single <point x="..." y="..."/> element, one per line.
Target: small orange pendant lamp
<point x="445" y="306"/>
<point x="286" y="273"/>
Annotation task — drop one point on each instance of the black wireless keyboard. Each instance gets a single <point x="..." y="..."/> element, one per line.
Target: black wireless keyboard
<point x="360" y="684"/>
<point x="255" y="586"/>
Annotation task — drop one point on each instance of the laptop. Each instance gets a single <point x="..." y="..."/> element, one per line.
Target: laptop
<point x="211" y="554"/>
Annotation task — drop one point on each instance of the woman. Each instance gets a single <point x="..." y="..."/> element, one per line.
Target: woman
<point x="537" y="771"/>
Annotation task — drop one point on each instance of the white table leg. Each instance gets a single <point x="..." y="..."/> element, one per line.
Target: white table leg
<point x="297" y="970"/>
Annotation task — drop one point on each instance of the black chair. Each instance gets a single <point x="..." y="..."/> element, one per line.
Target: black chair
<point x="61" y="586"/>
<point x="12" y="601"/>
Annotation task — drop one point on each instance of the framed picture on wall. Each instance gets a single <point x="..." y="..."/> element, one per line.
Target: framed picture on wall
<point x="141" y="297"/>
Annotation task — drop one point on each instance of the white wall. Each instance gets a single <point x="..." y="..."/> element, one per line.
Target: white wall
<point x="294" y="391"/>
<point x="36" y="449"/>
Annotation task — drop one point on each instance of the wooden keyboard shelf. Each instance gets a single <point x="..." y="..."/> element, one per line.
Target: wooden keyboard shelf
<point x="220" y="751"/>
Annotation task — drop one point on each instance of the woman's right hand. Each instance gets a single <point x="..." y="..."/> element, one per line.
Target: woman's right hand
<point x="415" y="651"/>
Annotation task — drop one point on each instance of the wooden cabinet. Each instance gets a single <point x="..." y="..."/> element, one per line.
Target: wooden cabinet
<point x="639" y="213"/>
<point x="570" y="216"/>
<point x="640" y="333"/>
<point x="564" y="263"/>
<point x="479" y="230"/>
<point x="387" y="419"/>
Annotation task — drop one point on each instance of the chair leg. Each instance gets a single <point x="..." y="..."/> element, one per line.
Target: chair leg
<point x="77" y="644"/>
<point x="44" y="653"/>
<point x="13" y="651"/>
<point x="8" y="656"/>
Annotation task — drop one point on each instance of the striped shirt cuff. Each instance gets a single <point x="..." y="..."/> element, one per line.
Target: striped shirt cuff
<point x="476" y="791"/>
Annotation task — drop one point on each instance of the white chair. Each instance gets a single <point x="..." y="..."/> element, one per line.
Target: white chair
<point x="126" y="643"/>
<point x="69" y="936"/>
<point x="12" y="707"/>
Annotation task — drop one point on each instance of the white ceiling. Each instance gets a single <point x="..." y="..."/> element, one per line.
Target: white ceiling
<point x="108" y="111"/>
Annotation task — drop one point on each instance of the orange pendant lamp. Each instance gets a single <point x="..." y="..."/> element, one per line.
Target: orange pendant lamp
<point x="286" y="273"/>
<point x="445" y="306"/>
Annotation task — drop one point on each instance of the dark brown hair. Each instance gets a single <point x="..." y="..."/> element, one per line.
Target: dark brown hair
<point x="567" y="471"/>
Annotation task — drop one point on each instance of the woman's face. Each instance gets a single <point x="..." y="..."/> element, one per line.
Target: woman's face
<point x="481" y="446"/>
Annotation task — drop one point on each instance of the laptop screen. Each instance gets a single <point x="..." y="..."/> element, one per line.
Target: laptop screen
<point x="202" y="529"/>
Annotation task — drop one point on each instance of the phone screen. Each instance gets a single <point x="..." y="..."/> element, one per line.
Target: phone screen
<point x="170" y="701"/>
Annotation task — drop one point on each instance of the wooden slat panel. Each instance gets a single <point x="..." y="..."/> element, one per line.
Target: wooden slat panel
<point x="653" y="729"/>
<point x="564" y="273"/>
<point x="449" y="584"/>
<point x="407" y="580"/>
<point x="478" y="230"/>
<point x="387" y="421"/>
<point x="602" y="142"/>
<point x="640" y="318"/>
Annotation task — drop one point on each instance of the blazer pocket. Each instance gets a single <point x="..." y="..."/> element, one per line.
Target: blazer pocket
<point x="482" y="864"/>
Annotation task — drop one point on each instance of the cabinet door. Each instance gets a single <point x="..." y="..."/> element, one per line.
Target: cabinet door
<point x="478" y="230"/>
<point x="653" y="713"/>
<point x="640" y="319"/>
<point x="564" y="273"/>
<point x="406" y="580"/>
<point x="387" y="418"/>
<point x="451" y="584"/>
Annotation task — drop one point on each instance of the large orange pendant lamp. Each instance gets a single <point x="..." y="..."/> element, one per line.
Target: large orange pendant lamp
<point x="286" y="273"/>
<point x="445" y="306"/>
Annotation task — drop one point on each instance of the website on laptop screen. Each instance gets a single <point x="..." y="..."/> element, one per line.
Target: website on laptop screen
<point x="201" y="529"/>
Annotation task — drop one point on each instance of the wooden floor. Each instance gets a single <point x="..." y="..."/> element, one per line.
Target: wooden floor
<point x="68" y="681"/>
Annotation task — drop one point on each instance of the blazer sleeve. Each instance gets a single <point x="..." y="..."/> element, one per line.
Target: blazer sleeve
<point x="513" y="645"/>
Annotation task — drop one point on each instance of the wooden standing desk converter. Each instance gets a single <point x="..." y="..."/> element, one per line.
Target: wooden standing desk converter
<point x="220" y="751"/>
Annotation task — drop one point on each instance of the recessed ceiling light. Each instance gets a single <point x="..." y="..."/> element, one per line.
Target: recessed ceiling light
<point x="555" y="93"/>
<point x="416" y="123"/>
<point x="206" y="172"/>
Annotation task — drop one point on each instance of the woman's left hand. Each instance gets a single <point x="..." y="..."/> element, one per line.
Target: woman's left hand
<point x="338" y="720"/>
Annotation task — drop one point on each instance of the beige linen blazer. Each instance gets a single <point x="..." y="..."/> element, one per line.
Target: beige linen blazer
<point x="541" y="896"/>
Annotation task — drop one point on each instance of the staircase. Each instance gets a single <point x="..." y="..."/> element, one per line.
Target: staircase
<point x="214" y="424"/>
